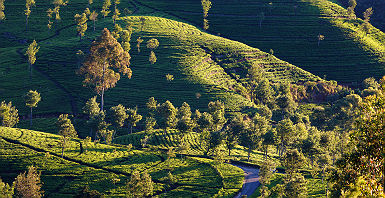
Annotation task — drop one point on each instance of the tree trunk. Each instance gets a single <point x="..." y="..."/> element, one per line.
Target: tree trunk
<point x="131" y="128"/>
<point x="30" y="73"/>
<point x="94" y="25"/>
<point x="26" y="23"/>
<point x="102" y="102"/>
<point x="229" y="152"/>
<point x="30" y="118"/>
<point x="104" y="72"/>
<point x="248" y="154"/>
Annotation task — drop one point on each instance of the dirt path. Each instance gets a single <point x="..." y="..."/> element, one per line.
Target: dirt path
<point x="251" y="182"/>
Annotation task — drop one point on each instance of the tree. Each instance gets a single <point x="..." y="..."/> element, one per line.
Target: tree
<point x="292" y="161"/>
<point x="27" y="12"/>
<point x="126" y="38"/>
<point x="102" y="127"/>
<point x="264" y="92"/>
<point x="140" y="185"/>
<point x="152" y="106"/>
<point x="184" y="111"/>
<point x="206" y="5"/>
<point x="31" y="53"/>
<point x="93" y="17"/>
<point x="205" y="122"/>
<point x="139" y="41"/>
<point x="133" y="117"/>
<point x="49" y="14"/>
<point x="6" y="191"/>
<point x="9" y="116"/>
<point x="253" y="134"/>
<point x="320" y="37"/>
<point x="115" y="15"/>
<point x="117" y="115"/>
<point x="152" y="58"/>
<point x="367" y="14"/>
<point x="168" y="113"/>
<point x="152" y="44"/>
<point x="185" y="124"/>
<point x="81" y="21"/>
<point x="150" y="124"/>
<point x="58" y="4"/>
<point x="217" y="110"/>
<point x="352" y="6"/>
<point x="66" y="129"/>
<point x="268" y="139"/>
<point x="295" y="186"/>
<point x="365" y="164"/>
<point x="106" y="56"/>
<point x="105" y="7"/>
<point x="285" y="131"/>
<point x="210" y="141"/>
<point x="169" y="77"/>
<point x="32" y="98"/>
<point x="28" y="185"/>
<point x="91" y="109"/>
<point x="2" y="8"/>
<point x="237" y="126"/>
<point x="266" y="172"/>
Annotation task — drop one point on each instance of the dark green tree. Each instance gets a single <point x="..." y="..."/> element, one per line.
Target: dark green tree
<point x="168" y="113"/>
<point x="217" y="110"/>
<point x="133" y="117"/>
<point x="66" y="129"/>
<point x="31" y="53"/>
<point x="117" y="116"/>
<point x="81" y="21"/>
<point x="91" y="109"/>
<point x="105" y="8"/>
<point x="32" y="98"/>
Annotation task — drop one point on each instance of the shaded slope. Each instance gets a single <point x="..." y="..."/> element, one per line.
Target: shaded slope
<point x="291" y="28"/>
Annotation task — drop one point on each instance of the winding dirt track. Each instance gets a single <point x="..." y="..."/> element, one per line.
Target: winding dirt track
<point x="251" y="182"/>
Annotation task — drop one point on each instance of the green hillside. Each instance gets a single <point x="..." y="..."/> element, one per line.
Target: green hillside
<point x="200" y="63"/>
<point x="290" y="28"/>
<point x="101" y="163"/>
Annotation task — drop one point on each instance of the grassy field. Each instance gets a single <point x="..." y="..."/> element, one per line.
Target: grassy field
<point x="290" y="28"/>
<point x="96" y="167"/>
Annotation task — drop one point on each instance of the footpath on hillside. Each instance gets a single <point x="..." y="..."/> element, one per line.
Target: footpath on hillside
<point x="251" y="182"/>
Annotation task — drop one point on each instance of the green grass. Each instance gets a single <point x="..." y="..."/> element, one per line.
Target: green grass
<point x="20" y="148"/>
<point x="346" y="54"/>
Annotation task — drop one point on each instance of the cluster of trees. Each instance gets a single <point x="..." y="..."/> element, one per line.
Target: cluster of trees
<point x="26" y="185"/>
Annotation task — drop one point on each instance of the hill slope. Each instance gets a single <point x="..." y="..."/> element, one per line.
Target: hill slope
<point x="290" y="28"/>
<point x="200" y="62"/>
<point x="101" y="163"/>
